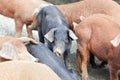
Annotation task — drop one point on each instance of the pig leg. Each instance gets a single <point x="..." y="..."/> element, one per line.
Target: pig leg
<point x="41" y="37"/>
<point x="84" y="59"/>
<point x="19" y="27"/>
<point x="112" y="65"/>
<point x="113" y="72"/>
<point x="94" y="65"/>
<point x="92" y="61"/>
<point x="29" y="31"/>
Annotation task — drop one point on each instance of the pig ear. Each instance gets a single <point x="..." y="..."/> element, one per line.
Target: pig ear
<point x="50" y="35"/>
<point x="116" y="41"/>
<point x="82" y="18"/>
<point x="72" y="35"/>
<point x="75" y="24"/>
<point x="8" y="51"/>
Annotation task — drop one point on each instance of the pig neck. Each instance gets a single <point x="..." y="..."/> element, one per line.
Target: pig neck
<point x="6" y="8"/>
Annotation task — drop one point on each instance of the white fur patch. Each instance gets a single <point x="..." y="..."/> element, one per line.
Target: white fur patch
<point x="116" y="41"/>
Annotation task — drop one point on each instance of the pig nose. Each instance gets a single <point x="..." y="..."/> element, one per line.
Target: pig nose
<point x="58" y="51"/>
<point x="57" y="54"/>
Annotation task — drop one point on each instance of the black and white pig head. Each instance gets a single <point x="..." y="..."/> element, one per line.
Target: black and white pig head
<point x="60" y="40"/>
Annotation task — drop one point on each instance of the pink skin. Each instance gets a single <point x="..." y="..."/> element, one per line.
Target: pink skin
<point x="21" y="14"/>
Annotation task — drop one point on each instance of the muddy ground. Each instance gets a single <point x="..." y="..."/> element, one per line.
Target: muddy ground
<point x="7" y="27"/>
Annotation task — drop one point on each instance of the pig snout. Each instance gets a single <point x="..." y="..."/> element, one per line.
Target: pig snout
<point x="59" y="51"/>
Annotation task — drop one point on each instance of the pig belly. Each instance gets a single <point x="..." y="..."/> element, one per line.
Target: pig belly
<point x="99" y="50"/>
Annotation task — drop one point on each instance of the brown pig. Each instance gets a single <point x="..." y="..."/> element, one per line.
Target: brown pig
<point x="99" y="35"/>
<point x="72" y="11"/>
